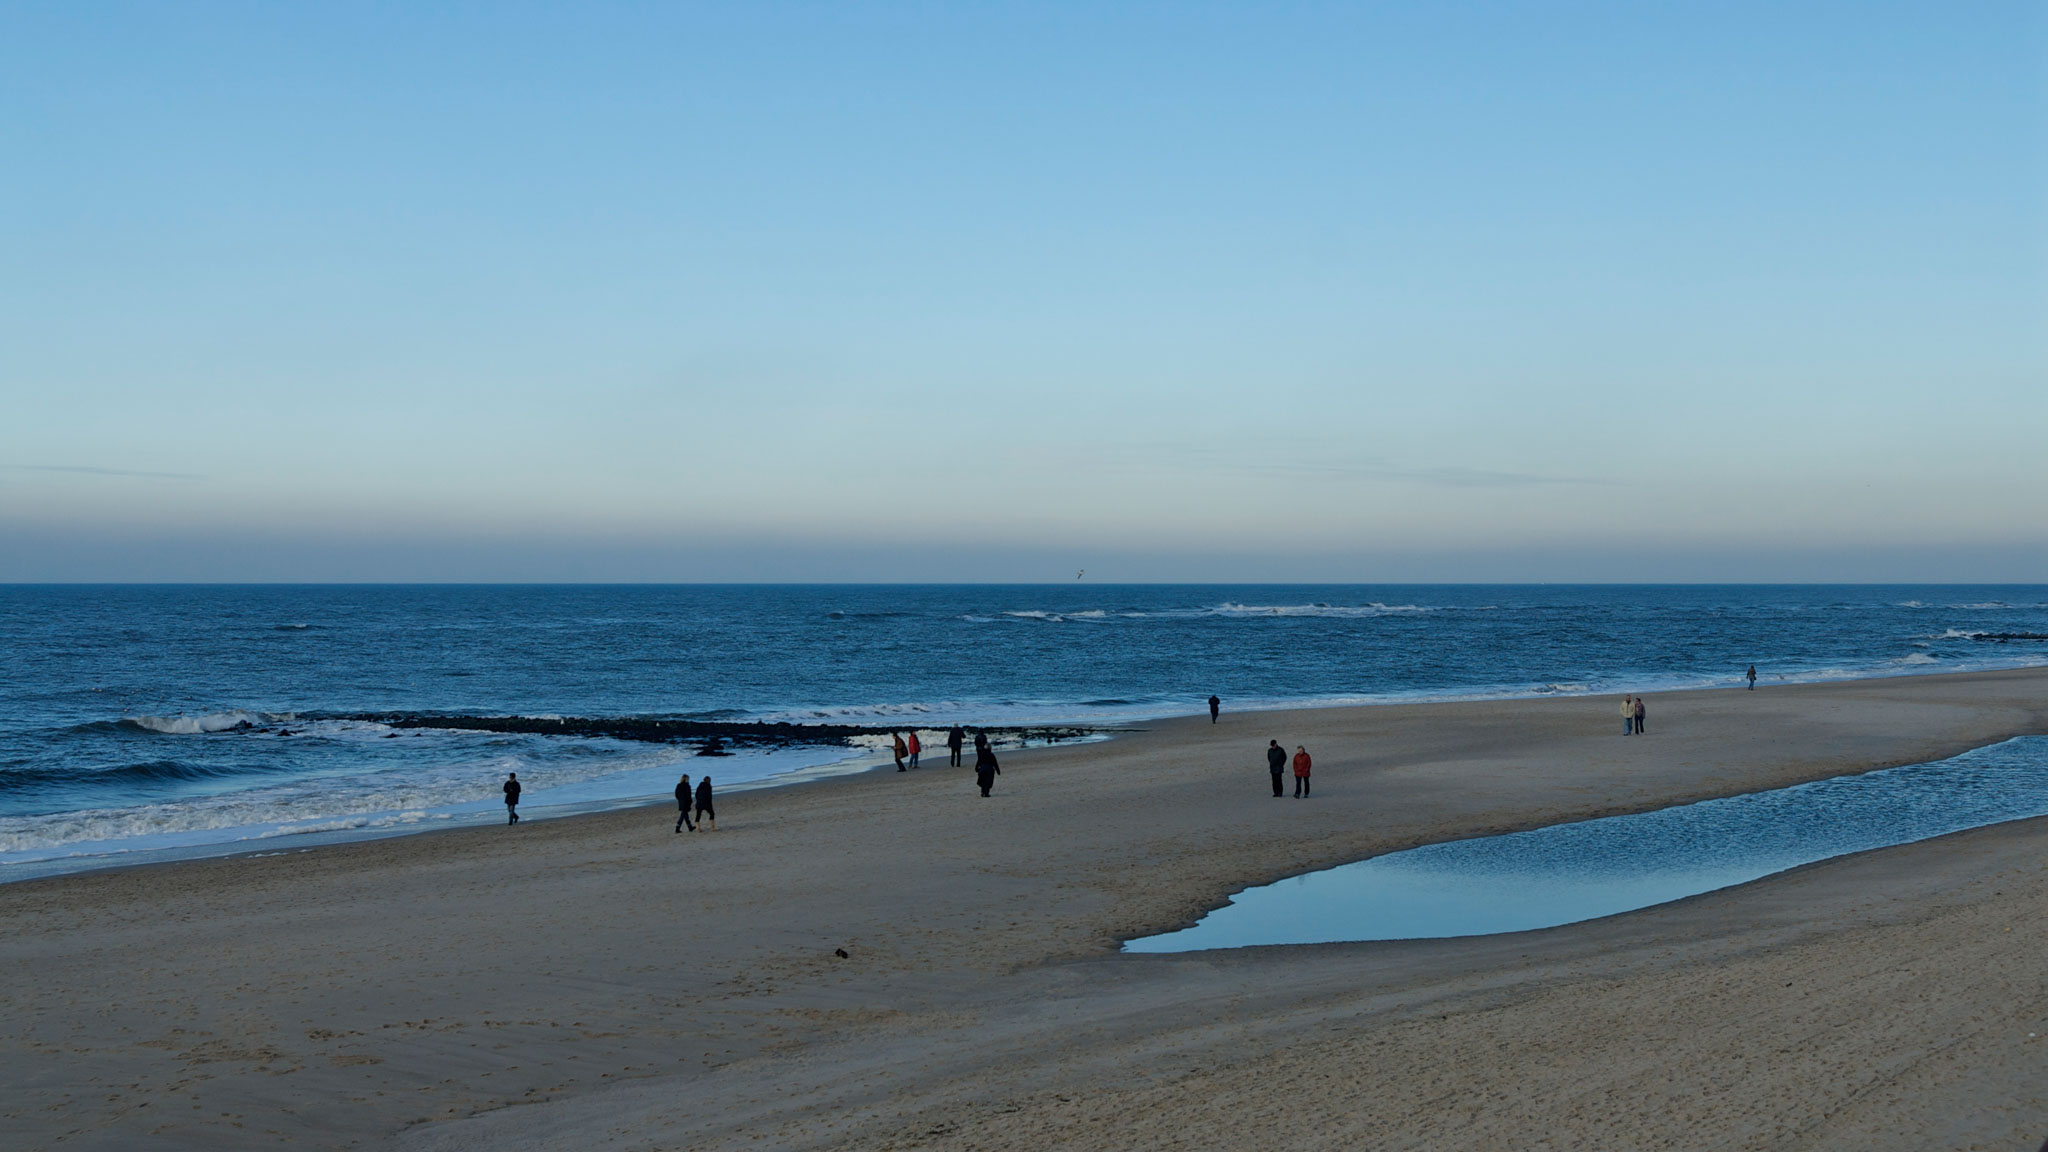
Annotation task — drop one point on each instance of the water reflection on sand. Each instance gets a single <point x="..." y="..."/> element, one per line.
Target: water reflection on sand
<point x="1572" y="872"/>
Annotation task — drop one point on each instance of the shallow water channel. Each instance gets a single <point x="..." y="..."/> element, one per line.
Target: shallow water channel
<point x="1566" y="873"/>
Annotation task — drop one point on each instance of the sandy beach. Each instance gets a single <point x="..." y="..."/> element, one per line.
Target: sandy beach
<point x="601" y="982"/>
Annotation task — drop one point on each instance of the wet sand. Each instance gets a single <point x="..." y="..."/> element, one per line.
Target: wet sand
<point x="600" y="981"/>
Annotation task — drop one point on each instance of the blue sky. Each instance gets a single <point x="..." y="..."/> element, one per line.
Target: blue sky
<point x="926" y="292"/>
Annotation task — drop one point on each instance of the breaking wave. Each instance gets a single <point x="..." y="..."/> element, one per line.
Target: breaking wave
<point x="1334" y="610"/>
<point x="202" y="724"/>
<point x="1226" y="610"/>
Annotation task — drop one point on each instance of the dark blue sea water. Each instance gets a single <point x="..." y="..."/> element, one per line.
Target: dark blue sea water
<point x="119" y="705"/>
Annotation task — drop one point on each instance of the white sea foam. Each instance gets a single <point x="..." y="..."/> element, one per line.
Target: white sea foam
<point x="864" y="713"/>
<point x="208" y="722"/>
<point x="1088" y="616"/>
<point x="1227" y="609"/>
<point x="1336" y="610"/>
<point x="398" y="797"/>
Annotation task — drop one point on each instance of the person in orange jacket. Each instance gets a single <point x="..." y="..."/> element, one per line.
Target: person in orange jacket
<point x="915" y="747"/>
<point x="1300" y="771"/>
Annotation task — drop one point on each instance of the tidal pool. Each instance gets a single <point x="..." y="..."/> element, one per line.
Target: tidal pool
<point x="1566" y="873"/>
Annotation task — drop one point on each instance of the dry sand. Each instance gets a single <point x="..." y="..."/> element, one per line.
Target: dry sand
<point x="602" y="982"/>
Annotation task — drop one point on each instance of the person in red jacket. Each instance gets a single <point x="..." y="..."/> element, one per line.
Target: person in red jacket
<point x="1300" y="771"/>
<point x="915" y="747"/>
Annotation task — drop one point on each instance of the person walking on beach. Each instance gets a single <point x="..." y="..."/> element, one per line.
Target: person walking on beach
<point x="915" y="747"/>
<point x="1276" y="763"/>
<point x="1628" y="715"/>
<point x="705" y="814"/>
<point x="1639" y="714"/>
<point x="985" y="769"/>
<point x="683" y="795"/>
<point x="1215" y="707"/>
<point x="955" y="737"/>
<point x="897" y="739"/>
<point x="1751" y="674"/>
<point x="512" y="797"/>
<point x="1301" y="765"/>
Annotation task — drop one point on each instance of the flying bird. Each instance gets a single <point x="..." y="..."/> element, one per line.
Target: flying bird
<point x="1080" y="574"/>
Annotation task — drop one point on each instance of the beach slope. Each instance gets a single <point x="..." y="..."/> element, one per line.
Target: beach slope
<point x="603" y="981"/>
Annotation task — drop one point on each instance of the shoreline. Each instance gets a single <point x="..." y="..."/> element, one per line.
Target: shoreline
<point x="847" y="778"/>
<point x="442" y="819"/>
<point x="684" y="990"/>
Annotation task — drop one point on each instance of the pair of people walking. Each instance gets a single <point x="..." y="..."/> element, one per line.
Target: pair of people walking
<point x="701" y="795"/>
<point x="906" y="749"/>
<point x="1277" y="764"/>
<point x="1633" y="715"/>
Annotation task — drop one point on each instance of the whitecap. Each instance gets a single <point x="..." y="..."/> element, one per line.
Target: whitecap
<point x="1228" y="608"/>
<point x="196" y="725"/>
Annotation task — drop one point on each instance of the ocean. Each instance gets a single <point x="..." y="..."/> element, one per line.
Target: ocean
<point x="143" y="722"/>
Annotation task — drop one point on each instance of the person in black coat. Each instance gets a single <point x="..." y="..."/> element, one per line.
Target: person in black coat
<point x="705" y="815"/>
<point x="683" y="796"/>
<point x="985" y="770"/>
<point x="1276" y="762"/>
<point x="512" y="797"/>
<point x="955" y="737"/>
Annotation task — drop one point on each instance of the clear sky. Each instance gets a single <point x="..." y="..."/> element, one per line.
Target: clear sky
<point x="999" y="292"/>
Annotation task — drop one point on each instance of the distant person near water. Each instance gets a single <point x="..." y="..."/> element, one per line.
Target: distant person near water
<point x="915" y="747"/>
<point x="1301" y="766"/>
<point x="955" y="737"/>
<point x="705" y="814"/>
<point x="683" y="795"/>
<point x="512" y="797"/>
<point x="1215" y="706"/>
<point x="1751" y="674"/>
<point x="1628" y="715"/>
<point x="985" y="768"/>
<point x="896" y="738"/>
<point x="1276" y="763"/>
<point x="1641" y="712"/>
